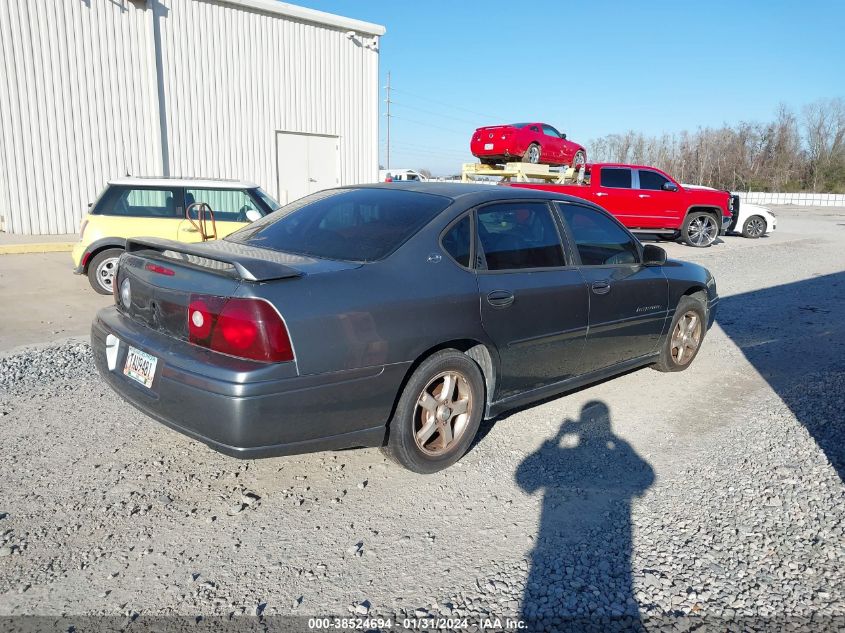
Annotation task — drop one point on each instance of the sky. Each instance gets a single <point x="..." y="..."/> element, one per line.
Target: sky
<point x="592" y="68"/>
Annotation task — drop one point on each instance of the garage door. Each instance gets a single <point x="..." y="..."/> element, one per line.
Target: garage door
<point x="306" y="163"/>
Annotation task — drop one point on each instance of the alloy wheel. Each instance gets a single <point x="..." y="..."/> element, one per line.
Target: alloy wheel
<point x="703" y="230"/>
<point x="442" y="413"/>
<point x="534" y="154"/>
<point x="756" y="227"/>
<point x="686" y="337"/>
<point x="105" y="273"/>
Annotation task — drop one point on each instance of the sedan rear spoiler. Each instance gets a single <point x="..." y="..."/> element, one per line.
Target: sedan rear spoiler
<point x="228" y="258"/>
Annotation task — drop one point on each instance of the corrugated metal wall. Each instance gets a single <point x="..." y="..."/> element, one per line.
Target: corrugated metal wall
<point x="83" y="101"/>
<point x="77" y="100"/>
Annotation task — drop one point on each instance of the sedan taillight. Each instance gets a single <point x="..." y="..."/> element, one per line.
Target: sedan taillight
<point x="246" y="328"/>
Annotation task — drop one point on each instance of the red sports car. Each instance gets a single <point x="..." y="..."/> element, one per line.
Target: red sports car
<point x="526" y="142"/>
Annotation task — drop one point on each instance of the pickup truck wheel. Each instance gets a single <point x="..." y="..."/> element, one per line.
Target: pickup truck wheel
<point x="754" y="227"/>
<point x="102" y="268"/>
<point x="682" y="343"/>
<point x="700" y="229"/>
<point x="532" y="154"/>
<point x="438" y="413"/>
<point x="579" y="159"/>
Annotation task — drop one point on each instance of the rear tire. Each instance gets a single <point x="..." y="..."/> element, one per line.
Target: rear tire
<point x="681" y="345"/>
<point x="754" y="227"/>
<point x="438" y="413"/>
<point x="102" y="268"/>
<point x="532" y="154"/>
<point x="700" y="230"/>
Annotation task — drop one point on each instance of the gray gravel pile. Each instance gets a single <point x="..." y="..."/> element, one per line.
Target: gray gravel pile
<point x="750" y="532"/>
<point x="65" y="361"/>
<point x="715" y="492"/>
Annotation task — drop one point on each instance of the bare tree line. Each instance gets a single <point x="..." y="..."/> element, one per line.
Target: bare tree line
<point x="790" y="153"/>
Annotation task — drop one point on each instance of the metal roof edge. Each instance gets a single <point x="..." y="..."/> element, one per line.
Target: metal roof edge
<point x="308" y="15"/>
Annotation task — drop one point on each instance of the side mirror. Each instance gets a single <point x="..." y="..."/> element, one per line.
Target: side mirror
<point x="653" y="255"/>
<point x="669" y="186"/>
<point x="252" y="215"/>
<point x="563" y="135"/>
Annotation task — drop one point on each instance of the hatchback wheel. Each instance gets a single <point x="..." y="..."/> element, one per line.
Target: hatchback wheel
<point x="754" y="227"/>
<point x="102" y="268"/>
<point x="685" y="336"/>
<point x="438" y="413"/>
<point x="700" y="229"/>
<point x="532" y="154"/>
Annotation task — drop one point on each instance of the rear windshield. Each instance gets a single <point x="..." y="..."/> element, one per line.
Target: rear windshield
<point x="362" y="225"/>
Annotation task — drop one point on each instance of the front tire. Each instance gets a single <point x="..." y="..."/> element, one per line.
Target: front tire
<point x="754" y="227"/>
<point x="685" y="336"/>
<point x="102" y="268"/>
<point x="579" y="159"/>
<point x="700" y="230"/>
<point x="438" y="413"/>
<point x="532" y="154"/>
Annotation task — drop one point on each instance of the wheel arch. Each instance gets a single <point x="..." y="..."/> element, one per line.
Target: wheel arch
<point x="477" y="351"/>
<point x="95" y="248"/>
<point x="706" y="209"/>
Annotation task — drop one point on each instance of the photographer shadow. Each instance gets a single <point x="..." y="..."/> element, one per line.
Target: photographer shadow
<point x="580" y="575"/>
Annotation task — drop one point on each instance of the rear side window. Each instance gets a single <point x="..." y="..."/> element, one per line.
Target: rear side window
<point x="457" y="241"/>
<point x="229" y="205"/>
<point x="616" y="178"/>
<point x="651" y="180"/>
<point x="348" y="224"/>
<point x="519" y="235"/>
<point x="600" y="240"/>
<point x="138" y="202"/>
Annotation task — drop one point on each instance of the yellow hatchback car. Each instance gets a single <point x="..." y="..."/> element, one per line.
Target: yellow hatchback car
<point x="155" y="207"/>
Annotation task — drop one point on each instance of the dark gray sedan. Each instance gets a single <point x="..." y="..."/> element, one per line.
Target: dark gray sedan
<point x="391" y="315"/>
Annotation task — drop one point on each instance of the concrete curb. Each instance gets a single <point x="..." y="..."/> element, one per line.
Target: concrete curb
<point x="42" y="247"/>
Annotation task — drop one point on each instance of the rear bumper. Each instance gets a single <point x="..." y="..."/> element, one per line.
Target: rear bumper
<point x="246" y="409"/>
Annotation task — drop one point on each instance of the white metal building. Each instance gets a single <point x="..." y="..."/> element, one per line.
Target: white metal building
<point x="252" y="89"/>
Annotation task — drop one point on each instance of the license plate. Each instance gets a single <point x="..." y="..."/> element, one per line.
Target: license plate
<point x="140" y="366"/>
<point x="488" y="146"/>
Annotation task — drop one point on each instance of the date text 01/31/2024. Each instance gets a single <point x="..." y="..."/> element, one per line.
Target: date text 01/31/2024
<point x="414" y="624"/>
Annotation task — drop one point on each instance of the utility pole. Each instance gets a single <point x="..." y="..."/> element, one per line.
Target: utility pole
<point x="387" y="101"/>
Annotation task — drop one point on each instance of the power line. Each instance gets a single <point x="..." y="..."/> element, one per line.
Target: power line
<point x="429" y="125"/>
<point x="437" y="114"/>
<point x="449" y="105"/>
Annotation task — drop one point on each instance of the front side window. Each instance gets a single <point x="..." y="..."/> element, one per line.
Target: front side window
<point x="599" y="239"/>
<point x="229" y="205"/>
<point x="138" y="202"/>
<point x="548" y="130"/>
<point x="456" y="241"/>
<point x="517" y="235"/>
<point x="616" y="177"/>
<point x="651" y="180"/>
<point x="360" y="225"/>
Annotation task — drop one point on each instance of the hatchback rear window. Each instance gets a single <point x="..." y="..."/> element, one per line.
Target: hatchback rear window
<point x="362" y="225"/>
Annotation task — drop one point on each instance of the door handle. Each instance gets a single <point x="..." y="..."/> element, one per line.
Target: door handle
<point x="500" y="298"/>
<point x="599" y="194"/>
<point x="644" y="195"/>
<point x="600" y="287"/>
<point x="190" y="229"/>
<point x="311" y="180"/>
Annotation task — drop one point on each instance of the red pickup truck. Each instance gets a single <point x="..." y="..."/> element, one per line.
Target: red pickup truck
<point x="647" y="200"/>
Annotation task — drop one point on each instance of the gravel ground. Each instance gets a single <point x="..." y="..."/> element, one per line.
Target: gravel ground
<point x="715" y="492"/>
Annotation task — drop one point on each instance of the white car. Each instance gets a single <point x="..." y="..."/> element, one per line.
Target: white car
<point x="753" y="220"/>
